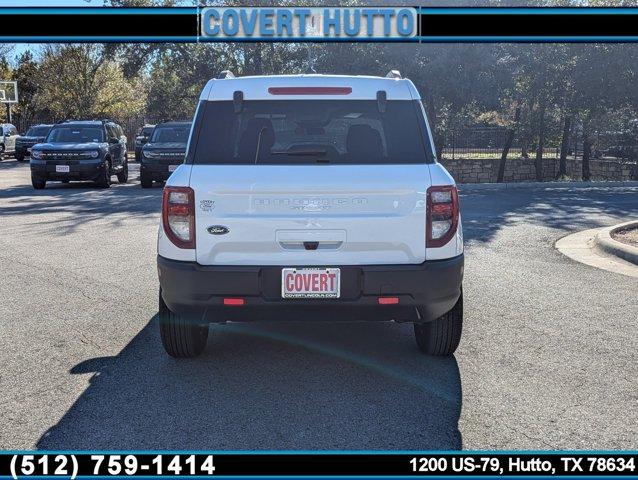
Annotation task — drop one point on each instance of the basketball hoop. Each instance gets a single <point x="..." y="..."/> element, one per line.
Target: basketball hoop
<point x="8" y="91"/>
<point x="8" y="95"/>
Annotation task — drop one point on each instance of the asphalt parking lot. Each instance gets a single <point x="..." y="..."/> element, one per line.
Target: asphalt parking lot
<point x="549" y="357"/>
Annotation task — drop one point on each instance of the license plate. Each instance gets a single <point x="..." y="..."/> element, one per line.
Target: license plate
<point x="62" y="168"/>
<point x="172" y="168"/>
<point x="310" y="283"/>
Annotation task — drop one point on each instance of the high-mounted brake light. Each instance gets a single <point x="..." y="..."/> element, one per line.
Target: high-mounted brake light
<point x="310" y="90"/>
<point x="442" y="216"/>
<point x="178" y="216"/>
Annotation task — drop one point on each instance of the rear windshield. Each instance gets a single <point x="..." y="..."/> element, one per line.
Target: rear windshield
<point x="276" y="132"/>
<point x="38" y="131"/>
<point x="146" y="131"/>
<point x="75" y="134"/>
<point x="171" y="134"/>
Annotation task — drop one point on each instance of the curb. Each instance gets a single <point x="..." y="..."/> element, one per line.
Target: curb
<point x="542" y="185"/>
<point x="606" y="243"/>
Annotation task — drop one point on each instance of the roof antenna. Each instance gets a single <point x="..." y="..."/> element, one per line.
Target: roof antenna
<point x="311" y="59"/>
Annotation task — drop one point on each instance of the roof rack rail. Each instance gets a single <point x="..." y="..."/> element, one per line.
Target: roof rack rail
<point x="225" y="74"/>
<point x="393" y="74"/>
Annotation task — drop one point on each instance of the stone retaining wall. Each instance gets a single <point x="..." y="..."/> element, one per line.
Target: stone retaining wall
<point x="522" y="170"/>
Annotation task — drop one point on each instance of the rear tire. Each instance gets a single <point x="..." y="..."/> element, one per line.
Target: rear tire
<point x="122" y="177"/>
<point x="20" y="158"/>
<point x="145" y="181"/>
<point x="441" y="336"/>
<point x="181" y="338"/>
<point x="38" y="182"/>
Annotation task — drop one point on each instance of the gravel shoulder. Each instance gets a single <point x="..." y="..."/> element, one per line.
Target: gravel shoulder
<point x="628" y="236"/>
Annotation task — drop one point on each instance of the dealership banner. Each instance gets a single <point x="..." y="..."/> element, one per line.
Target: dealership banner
<point x="318" y="464"/>
<point x="319" y="24"/>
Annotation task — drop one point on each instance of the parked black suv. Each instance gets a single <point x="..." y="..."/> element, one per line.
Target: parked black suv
<point x="80" y="150"/>
<point x="164" y="152"/>
<point x="24" y="143"/>
<point x="141" y="139"/>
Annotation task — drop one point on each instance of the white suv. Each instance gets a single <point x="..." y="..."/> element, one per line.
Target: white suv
<point x="310" y="197"/>
<point x="8" y="137"/>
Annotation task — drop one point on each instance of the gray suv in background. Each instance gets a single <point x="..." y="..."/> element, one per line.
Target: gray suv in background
<point x="35" y="134"/>
<point x="164" y="152"/>
<point x="141" y="139"/>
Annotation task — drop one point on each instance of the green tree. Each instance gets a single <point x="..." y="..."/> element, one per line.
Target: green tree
<point x="78" y="81"/>
<point x="27" y="74"/>
<point x="5" y="74"/>
<point x="603" y="82"/>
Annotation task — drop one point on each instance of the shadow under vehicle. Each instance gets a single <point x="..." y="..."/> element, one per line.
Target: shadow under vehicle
<point x="267" y="386"/>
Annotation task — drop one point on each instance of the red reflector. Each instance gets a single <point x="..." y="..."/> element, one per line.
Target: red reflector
<point x="233" y="301"/>
<point x="388" y="300"/>
<point x="309" y="90"/>
<point x="444" y="210"/>
<point x="178" y="209"/>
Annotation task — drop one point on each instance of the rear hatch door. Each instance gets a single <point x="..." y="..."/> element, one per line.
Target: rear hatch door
<point x="310" y="215"/>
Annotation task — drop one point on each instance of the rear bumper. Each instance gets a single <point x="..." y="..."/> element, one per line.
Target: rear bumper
<point x="425" y="292"/>
<point x="78" y="169"/>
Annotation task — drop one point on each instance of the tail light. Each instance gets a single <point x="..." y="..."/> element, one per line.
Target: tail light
<point x="442" y="215"/>
<point x="178" y="216"/>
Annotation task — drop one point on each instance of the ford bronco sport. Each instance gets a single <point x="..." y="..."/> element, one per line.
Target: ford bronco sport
<point x="310" y="197"/>
<point x="164" y="152"/>
<point x="80" y="150"/>
<point x="24" y="143"/>
<point x="141" y="139"/>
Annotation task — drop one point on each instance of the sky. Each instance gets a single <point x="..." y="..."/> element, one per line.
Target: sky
<point x="21" y="47"/>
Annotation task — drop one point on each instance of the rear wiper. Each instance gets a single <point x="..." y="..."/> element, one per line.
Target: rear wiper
<point x="307" y="153"/>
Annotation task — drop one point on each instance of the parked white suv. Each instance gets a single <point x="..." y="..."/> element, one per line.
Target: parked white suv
<point x="8" y="137"/>
<point x="310" y="197"/>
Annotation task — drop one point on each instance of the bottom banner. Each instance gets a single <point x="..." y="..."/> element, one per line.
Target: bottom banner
<point x="316" y="464"/>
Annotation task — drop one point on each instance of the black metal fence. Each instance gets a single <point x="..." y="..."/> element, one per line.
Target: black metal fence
<point x="487" y="142"/>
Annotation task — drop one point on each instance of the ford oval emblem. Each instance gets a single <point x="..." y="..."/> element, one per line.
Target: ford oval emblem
<point x="218" y="230"/>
